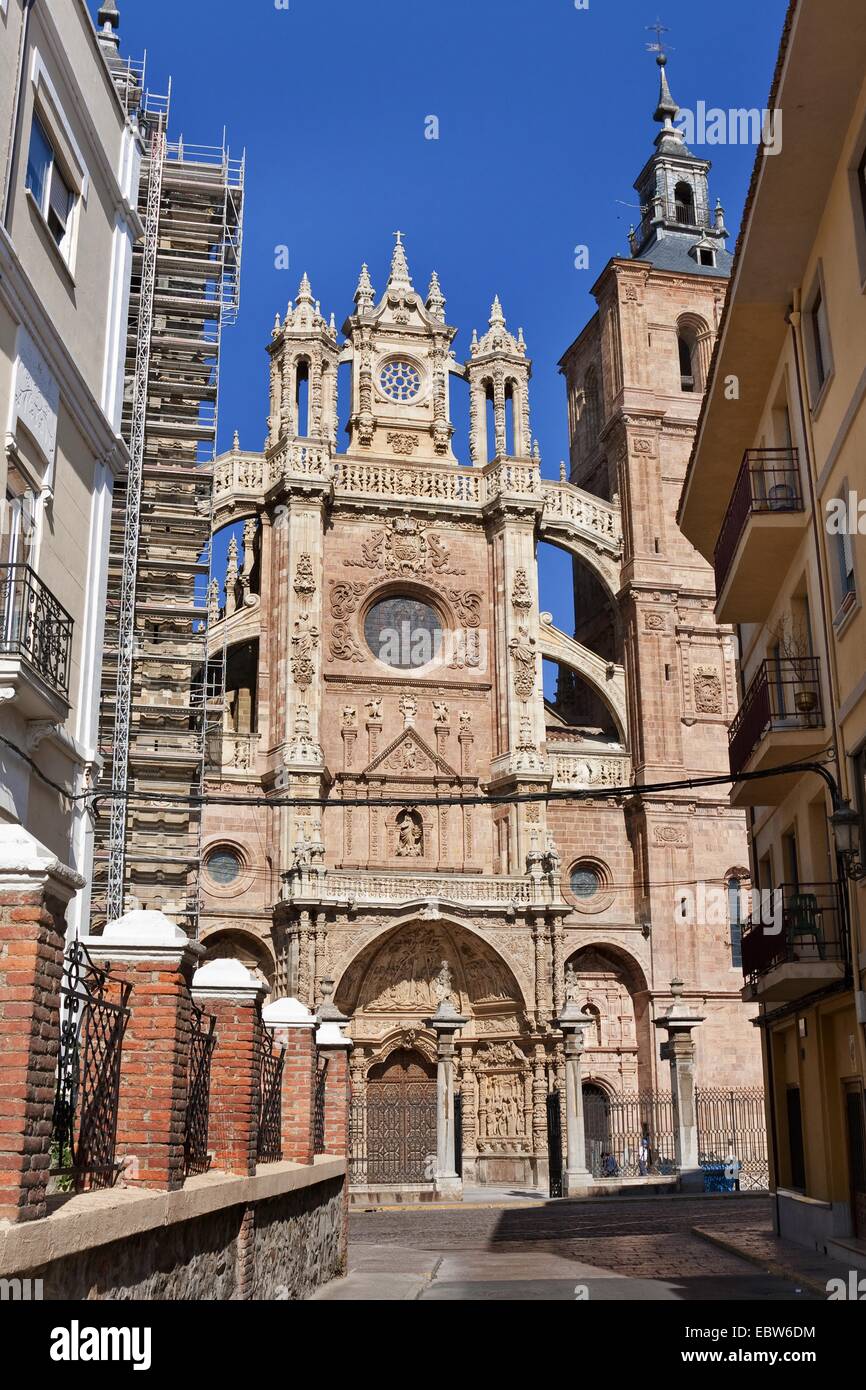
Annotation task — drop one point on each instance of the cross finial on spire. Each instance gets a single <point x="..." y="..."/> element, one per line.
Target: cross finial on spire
<point x="667" y="108"/>
<point x="659" y="46"/>
<point x="399" y="266"/>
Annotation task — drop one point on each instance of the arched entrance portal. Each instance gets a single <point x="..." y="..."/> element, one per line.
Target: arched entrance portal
<point x="390" y="991"/>
<point x="401" y="1119"/>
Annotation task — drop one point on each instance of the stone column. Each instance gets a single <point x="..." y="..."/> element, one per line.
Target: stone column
<point x="469" y="1094"/>
<point x="35" y="889"/>
<point x="573" y="1023"/>
<point x="228" y="990"/>
<point x="293" y="1027"/>
<point x="157" y="958"/>
<point x="679" y="1022"/>
<point x="445" y="1023"/>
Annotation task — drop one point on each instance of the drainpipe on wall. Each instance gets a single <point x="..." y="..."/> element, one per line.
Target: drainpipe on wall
<point x="16" y="109"/>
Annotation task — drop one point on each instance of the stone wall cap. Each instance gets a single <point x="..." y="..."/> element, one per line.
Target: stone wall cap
<point x="225" y="973"/>
<point x="287" y="1013"/>
<point x="145" y="928"/>
<point x="331" y="1035"/>
<point x="24" y="858"/>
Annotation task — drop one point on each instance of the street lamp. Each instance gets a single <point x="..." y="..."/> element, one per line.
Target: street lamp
<point x="846" y="832"/>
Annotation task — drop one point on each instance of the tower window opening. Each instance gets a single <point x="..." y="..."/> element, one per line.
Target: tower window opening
<point x="684" y="204"/>
<point x="509" y="421"/>
<point x="302" y="399"/>
<point x="490" y="416"/>
<point x="706" y="256"/>
<point x="687" y="371"/>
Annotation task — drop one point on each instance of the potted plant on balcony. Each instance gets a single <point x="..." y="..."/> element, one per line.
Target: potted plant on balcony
<point x="791" y="639"/>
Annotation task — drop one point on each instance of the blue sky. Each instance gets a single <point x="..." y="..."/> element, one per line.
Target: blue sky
<point x="545" y="119"/>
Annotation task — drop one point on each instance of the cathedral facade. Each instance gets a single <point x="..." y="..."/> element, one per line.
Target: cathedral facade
<point x="385" y="794"/>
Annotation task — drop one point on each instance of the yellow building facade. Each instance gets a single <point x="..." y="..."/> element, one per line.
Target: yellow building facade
<point x="772" y="498"/>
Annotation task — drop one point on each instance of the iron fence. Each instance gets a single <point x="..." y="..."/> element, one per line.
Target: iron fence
<point x="319" y="1108"/>
<point x="629" y="1135"/>
<point x="35" y="625"/>
<point x="732" y="1138"/>
<point x="635" y="1136"/>
<point x="202" y="1042"/>
<point x="93" y="1017"/>
<point x="269" y="1146"/>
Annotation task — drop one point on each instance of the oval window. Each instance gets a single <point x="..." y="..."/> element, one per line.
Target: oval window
<point x="403" y="632"/>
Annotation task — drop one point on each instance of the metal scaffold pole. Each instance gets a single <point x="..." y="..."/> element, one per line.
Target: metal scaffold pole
<point x="132" y="531"/>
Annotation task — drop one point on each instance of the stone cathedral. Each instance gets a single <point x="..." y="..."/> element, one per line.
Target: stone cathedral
<point x="384" y="642"/>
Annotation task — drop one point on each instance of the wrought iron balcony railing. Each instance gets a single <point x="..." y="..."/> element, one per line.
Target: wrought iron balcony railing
<point x="803" y="923"/>
<point x="785" y="695"/>
<point x="35" y="626"/>
<point x="768" y="482"/>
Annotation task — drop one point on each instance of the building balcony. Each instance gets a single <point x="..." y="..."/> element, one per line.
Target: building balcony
<point x="762" y="528"/>
<point x="781" y="720"/>
<point x="35" y="645"/>
<point x="795" y="942"/>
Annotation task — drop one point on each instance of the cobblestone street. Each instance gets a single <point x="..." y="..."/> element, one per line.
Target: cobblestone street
<point x="626" y="1249"/>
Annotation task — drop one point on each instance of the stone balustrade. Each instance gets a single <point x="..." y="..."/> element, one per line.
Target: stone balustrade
<point x="570" y="507"/>
<point x="480" y="892"/>
<point x="242" y="480"/>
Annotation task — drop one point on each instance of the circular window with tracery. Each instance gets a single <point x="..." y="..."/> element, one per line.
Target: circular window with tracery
<point x="403" y="632"/>
<point x="399" y="380"/>
<point x="590" y="885"/>
<point x="585" y="881"/>
<point x="224" y="865"/>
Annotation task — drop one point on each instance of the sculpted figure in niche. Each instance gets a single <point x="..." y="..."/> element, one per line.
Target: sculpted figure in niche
<point x="410" y="835"/>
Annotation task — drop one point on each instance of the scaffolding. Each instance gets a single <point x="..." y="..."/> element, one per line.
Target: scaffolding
<point x="162" y="697"/>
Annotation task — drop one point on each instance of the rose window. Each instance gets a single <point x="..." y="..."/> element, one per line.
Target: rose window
<point x="399" y="380"/>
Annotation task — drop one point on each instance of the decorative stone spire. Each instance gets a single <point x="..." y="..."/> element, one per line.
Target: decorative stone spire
<point x="497" y="338"/>
<point x="236" y="443"/>
<point x="667" y="108"/>
<point x="108" y="20"/>
<point x="305" y="292"/>
<point x="365" y="296"/>
<point x="400" y="279"/>
<point x="436" y="299"/>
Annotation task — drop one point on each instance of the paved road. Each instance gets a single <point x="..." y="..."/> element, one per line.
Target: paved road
<point x="605" y="1250"/>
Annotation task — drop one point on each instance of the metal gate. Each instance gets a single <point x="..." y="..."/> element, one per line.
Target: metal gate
<point x="400" y="1122"/>
<point x="628" y="1136"/>
<point x="732" y="1136"/>
<point x="554" y="1143"/>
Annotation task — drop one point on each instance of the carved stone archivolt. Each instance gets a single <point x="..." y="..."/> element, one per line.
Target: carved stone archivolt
<point x="400" y="977"/>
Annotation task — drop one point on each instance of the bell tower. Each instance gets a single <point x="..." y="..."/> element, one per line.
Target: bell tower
<point x="304" y="358"/>
<point x="498" y="372"/>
